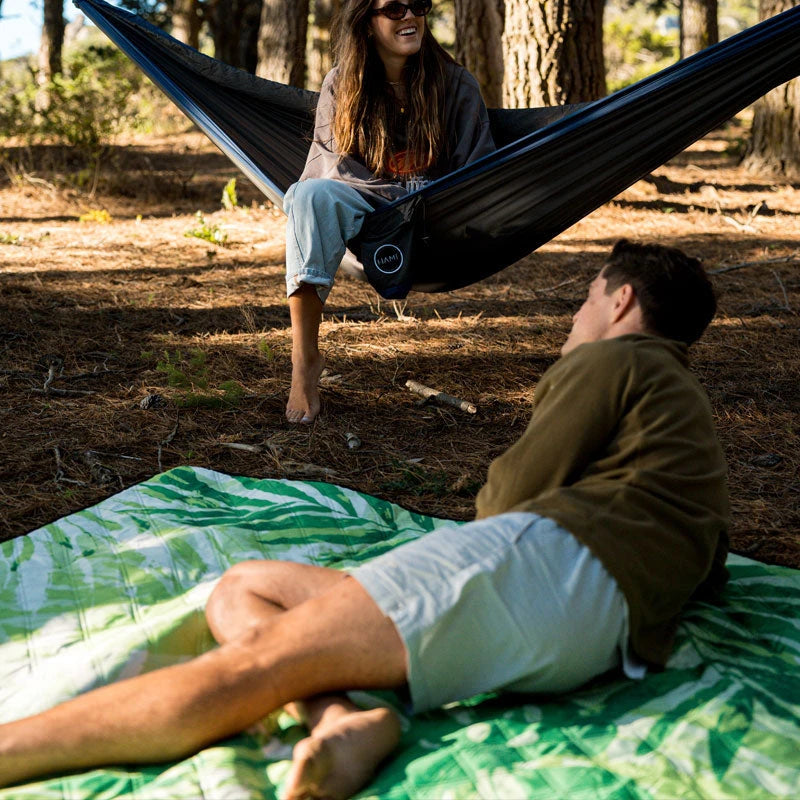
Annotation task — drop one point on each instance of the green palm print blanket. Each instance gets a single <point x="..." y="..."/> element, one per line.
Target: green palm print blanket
<point x="119" y="588"/>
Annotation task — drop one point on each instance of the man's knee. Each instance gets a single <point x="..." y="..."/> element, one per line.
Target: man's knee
<point x="231" y="587"/>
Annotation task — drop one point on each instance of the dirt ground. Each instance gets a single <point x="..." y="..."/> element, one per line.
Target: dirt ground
<point x="105" y="302"/>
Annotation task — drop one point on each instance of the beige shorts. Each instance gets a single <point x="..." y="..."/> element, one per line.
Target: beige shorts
<point x="512" y="602"/>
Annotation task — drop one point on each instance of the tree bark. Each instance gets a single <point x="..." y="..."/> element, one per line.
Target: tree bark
<point x="479" y="44"/>
<point x="186" y="22"/>
<point x="553" y="52"/>
<point x="699" y="25"/>
<point x="774" y="145"/>
<point x="234" y="28"/>
<point x="282" y="41"/>
<point x="319" y="41"/>
<point x="50" y="47"/>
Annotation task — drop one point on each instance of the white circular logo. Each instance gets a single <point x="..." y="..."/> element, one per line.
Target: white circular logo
<point x="388" y="259"/>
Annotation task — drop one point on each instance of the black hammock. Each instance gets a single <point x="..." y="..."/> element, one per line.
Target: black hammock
<point x="553" y="166"/>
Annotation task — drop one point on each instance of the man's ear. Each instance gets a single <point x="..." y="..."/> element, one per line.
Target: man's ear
<point x="625" y="300"/>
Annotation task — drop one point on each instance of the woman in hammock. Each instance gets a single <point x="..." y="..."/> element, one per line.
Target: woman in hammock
<point x="395" y="112"/>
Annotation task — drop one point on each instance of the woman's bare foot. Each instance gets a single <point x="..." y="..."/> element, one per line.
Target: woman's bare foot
<point x="303" y="405"/>
<point x="340" y="757"/>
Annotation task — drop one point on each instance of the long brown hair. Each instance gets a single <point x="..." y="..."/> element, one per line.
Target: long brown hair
<point x="365" y="105"/>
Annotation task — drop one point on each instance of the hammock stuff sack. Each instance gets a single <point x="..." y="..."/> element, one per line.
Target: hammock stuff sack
<point x="553" y="166"/>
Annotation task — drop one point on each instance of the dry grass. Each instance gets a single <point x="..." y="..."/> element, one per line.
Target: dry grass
<point x="99" y="306"/>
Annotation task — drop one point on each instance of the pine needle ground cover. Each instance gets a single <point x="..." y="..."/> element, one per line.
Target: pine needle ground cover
<point x="106" y="305"/>
<point x="119" y="588"/>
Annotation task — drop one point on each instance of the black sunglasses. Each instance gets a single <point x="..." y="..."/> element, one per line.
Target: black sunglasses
<point x="396" y="10"/>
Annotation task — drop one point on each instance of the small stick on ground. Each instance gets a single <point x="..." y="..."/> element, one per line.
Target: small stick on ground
<point x="59" y="476"/>
<point x="166" y="441"/>
<point x="783" y="289"/>
<point x="782" y="260"/>
<point x="440" y="397"/>
<point x="248" y="448"/>
<point x="63" y="392"/>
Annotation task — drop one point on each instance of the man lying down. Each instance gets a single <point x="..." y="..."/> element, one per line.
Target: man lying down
<point x="592" y="532"/>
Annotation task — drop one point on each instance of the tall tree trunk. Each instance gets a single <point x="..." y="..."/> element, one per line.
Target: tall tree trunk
<point x="282" y="41"/>
<point x="50" y="47"/>
<point x="479" y="44"/>
<point x="186" y="22"/>
<point x="699" y="25"/>
<point x="553" y="52"/>
<point x="774" y="145"/>
<point x="234" y="28"/>
<point x="319" y="41"/>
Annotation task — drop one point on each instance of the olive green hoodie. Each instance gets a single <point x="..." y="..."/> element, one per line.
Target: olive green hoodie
<point x="621" y="451"/>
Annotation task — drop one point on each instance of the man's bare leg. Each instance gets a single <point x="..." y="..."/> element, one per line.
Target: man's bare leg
<point x="305" y="310"/>
<point x="332" y="642"/>
<point x="346" y="744"/>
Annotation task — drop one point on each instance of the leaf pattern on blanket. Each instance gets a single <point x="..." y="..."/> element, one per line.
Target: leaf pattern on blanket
<point x="118" y="589"/>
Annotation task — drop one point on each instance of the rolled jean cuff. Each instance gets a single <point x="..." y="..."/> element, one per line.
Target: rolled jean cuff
<point x="321" y="281"/>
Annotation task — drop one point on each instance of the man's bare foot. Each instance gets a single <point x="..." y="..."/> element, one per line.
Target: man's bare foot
<point x="339" y="758"/>
<point x="303" y="405"/>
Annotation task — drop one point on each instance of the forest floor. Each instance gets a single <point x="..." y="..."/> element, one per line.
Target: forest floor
<point x="105" y="301"/>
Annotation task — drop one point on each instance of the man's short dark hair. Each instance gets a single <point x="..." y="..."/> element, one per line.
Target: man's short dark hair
<point x="674" y="292"/>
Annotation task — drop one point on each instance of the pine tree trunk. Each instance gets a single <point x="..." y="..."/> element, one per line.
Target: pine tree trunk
<point x="50" y="47"/>
<point x="699" y="25"/>
<point x="234" y="28"/>
<point x="186" y="22"/>
<point x="282" y="41"/>
<point x="774" y="146"/>
<point x="319" y="41"/>
<point x="479" y="44"/>
<point x="553" y="52"/>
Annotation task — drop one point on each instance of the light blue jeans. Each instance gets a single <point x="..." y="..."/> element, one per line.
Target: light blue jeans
<point x="323" y="215"/>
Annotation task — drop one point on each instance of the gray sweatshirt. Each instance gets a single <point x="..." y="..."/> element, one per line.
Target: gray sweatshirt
<point x="466" y="123"/>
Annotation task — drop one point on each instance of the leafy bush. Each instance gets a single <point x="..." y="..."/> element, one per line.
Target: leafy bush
<point x="95" y="99"/>
<point x="100" y="94"/>
<point x="633" y="52"/>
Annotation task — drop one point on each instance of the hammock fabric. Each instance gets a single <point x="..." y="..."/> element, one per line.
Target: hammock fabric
<point x="554" y="166"/>
<point x="118" y="589"/>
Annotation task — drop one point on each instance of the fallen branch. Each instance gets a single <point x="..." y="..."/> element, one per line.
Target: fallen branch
<point x="51" y="374"/>
<point x="83" y="376"/>
<point x="63" y="392"/>
<point x="112" y="455"/>
<point x="558" y="285"/>
<point x="249" y="448"/>
<point x="440" y="397"/>
<point x="782" y="260"/>
<point x="59" y="476"/>
<point x="307" y="470"/>
<point x="786" y="305"/>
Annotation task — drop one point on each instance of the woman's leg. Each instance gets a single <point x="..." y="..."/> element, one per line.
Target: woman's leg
<point x="305" y="310"/>
<point x="336" y="640"/>
<point x="323" y="215"/>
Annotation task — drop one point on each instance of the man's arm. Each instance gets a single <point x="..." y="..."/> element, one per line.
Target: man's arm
<point x="579" y="403"/>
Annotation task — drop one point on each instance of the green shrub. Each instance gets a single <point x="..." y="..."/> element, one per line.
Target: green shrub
<point x="633" y="52"/>
<point x="207" y="232"/>
<point x="95" y="99"/>
<point x="100" y="94"/>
